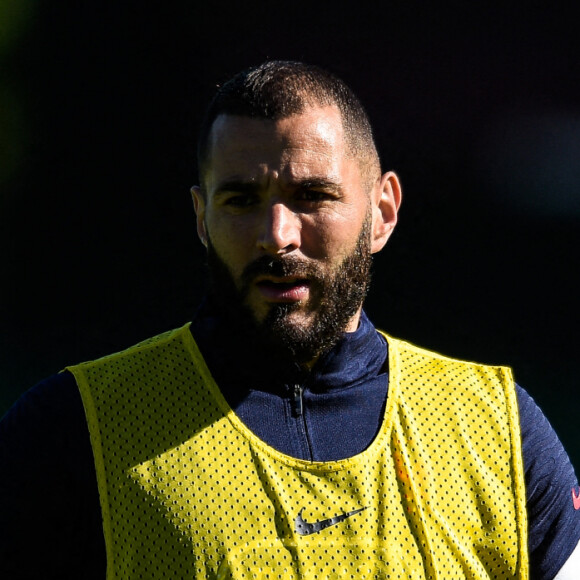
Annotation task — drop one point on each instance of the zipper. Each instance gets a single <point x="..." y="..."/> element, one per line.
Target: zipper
<point x="298" y="403"/>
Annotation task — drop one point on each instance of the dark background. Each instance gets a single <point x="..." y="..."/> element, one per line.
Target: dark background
<point x="476" y="107"/>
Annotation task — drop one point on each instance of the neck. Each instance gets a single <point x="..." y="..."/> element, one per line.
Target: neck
<point x="354" y="322"/>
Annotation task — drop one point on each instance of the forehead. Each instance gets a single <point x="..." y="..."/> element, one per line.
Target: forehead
<point x="313" y="139"/>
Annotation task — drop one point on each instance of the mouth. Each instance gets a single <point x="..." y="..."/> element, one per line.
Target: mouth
<point x="283" y="289"/>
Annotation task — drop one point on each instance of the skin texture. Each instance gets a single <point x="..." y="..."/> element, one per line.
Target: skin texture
<point x="289" y="190"/>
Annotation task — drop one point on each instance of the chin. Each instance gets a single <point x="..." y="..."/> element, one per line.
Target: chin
<point x="292" y="315"/>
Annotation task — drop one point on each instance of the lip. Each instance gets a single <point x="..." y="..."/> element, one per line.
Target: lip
<point x="284" y="289"/>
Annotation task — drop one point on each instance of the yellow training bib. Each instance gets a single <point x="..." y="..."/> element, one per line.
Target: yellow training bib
<point x="188" y="491"/>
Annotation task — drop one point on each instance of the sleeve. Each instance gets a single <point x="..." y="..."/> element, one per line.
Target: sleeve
<point x="551" y="487"/>
<point x="50" y="522"/>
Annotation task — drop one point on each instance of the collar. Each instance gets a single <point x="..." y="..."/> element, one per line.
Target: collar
<point x="357" y="357"/>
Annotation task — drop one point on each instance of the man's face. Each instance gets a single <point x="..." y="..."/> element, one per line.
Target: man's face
<point x="288" y="224"/>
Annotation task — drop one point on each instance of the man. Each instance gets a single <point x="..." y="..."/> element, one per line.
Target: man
<point x="279" y="435"/>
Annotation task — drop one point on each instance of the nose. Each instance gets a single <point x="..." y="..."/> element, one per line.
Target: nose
<point x="280" y="230"/>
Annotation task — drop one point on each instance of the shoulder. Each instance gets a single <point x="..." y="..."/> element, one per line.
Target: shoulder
<point x="409" y="349"/>
<point x="45" y="431"/>
<point x="444" y="376"/>
<point x="141" y="350"/>
<point x="55" y="401"/>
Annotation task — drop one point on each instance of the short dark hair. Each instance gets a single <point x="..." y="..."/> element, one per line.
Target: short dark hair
<point x="276" y="90"/>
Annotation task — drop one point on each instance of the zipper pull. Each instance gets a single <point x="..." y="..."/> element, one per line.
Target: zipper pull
<point x="298" y="405"/>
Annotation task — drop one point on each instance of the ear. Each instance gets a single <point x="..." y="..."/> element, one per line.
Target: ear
<point x="199" y="207"/>
<point x="386" y="200"/>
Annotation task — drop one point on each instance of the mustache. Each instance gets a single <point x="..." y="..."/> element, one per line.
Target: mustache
<point x="280" y="267"/>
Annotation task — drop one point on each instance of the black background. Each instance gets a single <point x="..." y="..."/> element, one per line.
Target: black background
<point x="475" y="106"/>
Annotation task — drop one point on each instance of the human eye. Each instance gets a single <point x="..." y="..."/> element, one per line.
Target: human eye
<point x="236" y="195"/>
<point x="239" y="200"/>
<point x="313" y="195"/>
<point x="318" y="192"/>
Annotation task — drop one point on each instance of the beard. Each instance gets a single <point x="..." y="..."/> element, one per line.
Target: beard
<point x="335" y="297"/>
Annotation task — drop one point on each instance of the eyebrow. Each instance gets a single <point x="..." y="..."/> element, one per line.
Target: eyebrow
<point x="250" y="187"/>
<point x="317" y="183"/>
<point x="236" y="185"/>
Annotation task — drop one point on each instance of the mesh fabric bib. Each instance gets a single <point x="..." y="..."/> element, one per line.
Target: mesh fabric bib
<point x="187" y="491"/>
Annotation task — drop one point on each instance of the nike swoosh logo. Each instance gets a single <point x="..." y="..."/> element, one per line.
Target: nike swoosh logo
<point x="304" y="528"/>
<point x="576" y="499"/>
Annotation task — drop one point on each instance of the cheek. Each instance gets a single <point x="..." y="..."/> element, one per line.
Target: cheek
<point x="231" y="245"/>
<point x="330" y="240"/>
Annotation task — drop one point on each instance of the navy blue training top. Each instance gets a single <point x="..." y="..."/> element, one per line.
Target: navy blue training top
<point x="50" y="519"/>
